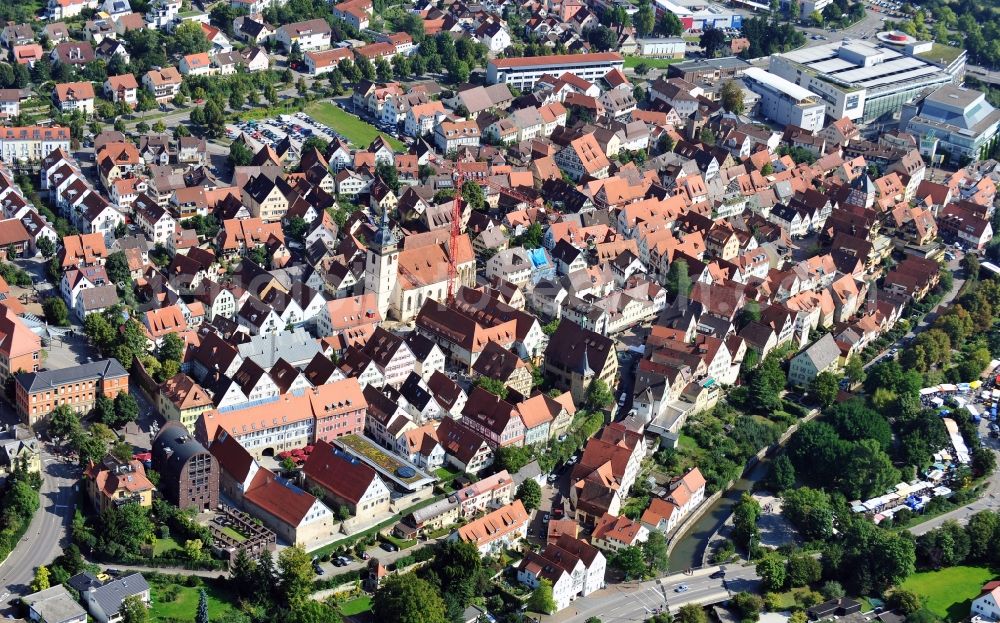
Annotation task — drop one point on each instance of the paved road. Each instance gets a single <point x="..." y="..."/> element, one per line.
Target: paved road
<point x="990" y="500"/>
<point x="637" y="601"/>
<point x="48" y="533"/>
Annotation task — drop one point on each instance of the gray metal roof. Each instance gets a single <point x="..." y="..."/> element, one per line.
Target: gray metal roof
<point x="40" y="381"/>
<point x="292" y="346"/>
<point x="110" y="596"/>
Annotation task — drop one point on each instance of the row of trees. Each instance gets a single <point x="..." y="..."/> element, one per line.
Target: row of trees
<point x="278" y="592"/>
<point x="18" y="502"/>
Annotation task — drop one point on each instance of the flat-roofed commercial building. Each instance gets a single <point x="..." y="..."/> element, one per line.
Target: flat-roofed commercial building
<point x="524" y="72"/>
<point x="708" y="69"/>
<point x="861" y="80"/>
<point x="785" y="102"/>
<point x="960" y="121"/>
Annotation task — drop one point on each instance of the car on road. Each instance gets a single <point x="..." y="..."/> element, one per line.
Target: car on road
<point x="545" y="518"/>
<point x="389" y="547"/>
<point x="718" y="575"/>
<point x="682" y="588"/>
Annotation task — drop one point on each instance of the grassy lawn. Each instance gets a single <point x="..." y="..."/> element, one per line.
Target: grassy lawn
<point x="165" y="545"/>
<point x="356" y="606"/>
<point x="184" y="605"/>
<point x="445" y="473"/>
<point x="786" y="600"/>
<point x="949" y="592"/>
<point x="400" y="543"/>
<point x="233" y="534"/>
<point x="631" y="62"/>
<point x="358" y="132"/>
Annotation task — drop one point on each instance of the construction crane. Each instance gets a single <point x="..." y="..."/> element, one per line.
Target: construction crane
<point x="456" y="221"/>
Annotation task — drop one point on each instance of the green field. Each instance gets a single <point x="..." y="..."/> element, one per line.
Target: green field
<point x="949" y="592"/>
<point x="356" y="606"/>
<point x="631" y="62"/>
<point x="358" y="132"/>
<point x="184" y="605"/>
<point x="165" y="545"/>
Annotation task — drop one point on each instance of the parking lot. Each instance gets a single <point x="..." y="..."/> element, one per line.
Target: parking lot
<point x="298" y="128"/>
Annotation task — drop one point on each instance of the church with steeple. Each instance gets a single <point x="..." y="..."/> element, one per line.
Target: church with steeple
<point x="382" y="265"/>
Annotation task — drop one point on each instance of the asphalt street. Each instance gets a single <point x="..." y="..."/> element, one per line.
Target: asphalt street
<point x="638" y="601"/>
<point x="48" y="533"/>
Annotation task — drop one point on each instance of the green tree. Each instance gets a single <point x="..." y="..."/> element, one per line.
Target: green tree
<point x="855" y="370"/>
<point x="193" y="549"/>
<point x="541" y="599"/>
<point x="599" y="396"/>
<point x="745" y="516"/>
<point x="732" y="97"/>
<point x="188" y="38"/>
<point x="824" y="388"/>
<point x="713" y="41"/>
<point x="295" y="575"/>
<point x="117" y="269"/>
<point x="631" y="561"/>
<point x="766" y="383"/>
<point x="832" y="589"/>
<point x="804" y="570"/>
<point x="678" y="282"/>
<point x="782" y="474"/>
<point x="748" y="605"/>
<point x="41" y="581"/>
<point x="690" y="613"/>
<point x="810" y="510"/>
<point x="46" y="247"/>
<point x="126" y="409"/>
<point x="644" y="20"/>
<point x="655" y="551"/>
<point x="122" y="531"/>
<point x="406" y="598"/>
<point x="133" y="609"/>
<point x="907" y="602"/>
<point x="473" y="196"/>
<point x="772" y="571"/>
<point x="239" y="154"/>
<point x="512" y="458"/>
<point x="202" y="614"/>
<point x="56" y="311"/>
<point x="63" y="422"/>
<point x="171" y="348"/>
<point x="530" y="494"/>
<point x="493" y="386"/>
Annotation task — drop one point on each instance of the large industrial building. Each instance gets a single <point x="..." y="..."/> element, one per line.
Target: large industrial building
<point x="785" y="102"/>
<point x="954" y="121"/>
<point x="863" y="81"/>
<point x="699" y="15"/>
<point x="523" y="73"/>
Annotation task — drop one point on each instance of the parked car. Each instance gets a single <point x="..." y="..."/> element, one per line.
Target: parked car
<point x="389" y="547"/>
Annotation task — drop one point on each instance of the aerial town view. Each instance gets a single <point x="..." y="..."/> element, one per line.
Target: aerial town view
<point x="506" y="311"/>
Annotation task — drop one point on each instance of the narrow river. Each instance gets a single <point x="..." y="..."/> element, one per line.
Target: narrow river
<point x="690" y="550"/>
